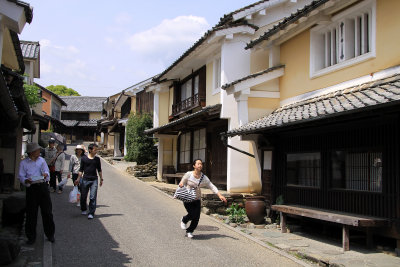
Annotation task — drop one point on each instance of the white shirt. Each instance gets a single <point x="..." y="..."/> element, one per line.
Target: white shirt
<point x="59" y="164"/>
<point x="74" y="164"/>
<point x="29" y="168"/>
<point x="189" y="180"/>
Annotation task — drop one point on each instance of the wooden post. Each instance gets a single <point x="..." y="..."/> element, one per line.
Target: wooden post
<point x="345" y="240"/>
<point x="397" y="249"/>
<point x="370" y="239"/>
<point x="283" y="222"/>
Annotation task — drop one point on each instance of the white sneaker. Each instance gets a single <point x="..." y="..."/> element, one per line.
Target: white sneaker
<point x="183" y="225"/>
<point x="79" y="204"/>
<point x="90" y="216"/>
<point x="190" y="235"/>
<point x="84" y="212"/>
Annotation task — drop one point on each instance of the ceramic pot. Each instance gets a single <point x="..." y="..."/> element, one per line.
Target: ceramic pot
<point x="255" y="209"/>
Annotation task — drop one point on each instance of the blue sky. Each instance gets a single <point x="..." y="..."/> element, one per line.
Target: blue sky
<point x="99" y="48"/>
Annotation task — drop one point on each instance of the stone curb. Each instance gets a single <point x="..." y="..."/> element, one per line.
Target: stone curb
<point x="278" y="251"/>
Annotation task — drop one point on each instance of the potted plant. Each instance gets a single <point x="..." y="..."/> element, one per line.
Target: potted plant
<point x="255" y="209"/>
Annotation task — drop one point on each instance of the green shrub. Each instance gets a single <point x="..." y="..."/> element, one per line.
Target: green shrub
<point x="236" y="213"/>
<point x="139" y="145"/>
<point x="32" y="94"/>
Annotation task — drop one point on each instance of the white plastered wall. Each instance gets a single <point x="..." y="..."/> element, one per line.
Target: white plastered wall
<point x="235" y="64"/>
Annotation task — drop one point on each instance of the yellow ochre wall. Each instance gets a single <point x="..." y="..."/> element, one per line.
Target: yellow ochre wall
<point x="259" y="60"/>
<point x="163" y="108"/>
<point x="210" y="98"/>
<point x="94" y="115"/>
<point x="259" y="107"/>
<point x="295" y="54"/>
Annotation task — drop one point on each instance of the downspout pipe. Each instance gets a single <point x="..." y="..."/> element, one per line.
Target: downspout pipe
<point x="224" y="140"/>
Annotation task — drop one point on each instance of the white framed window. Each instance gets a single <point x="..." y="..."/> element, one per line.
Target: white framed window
<point x="348" y="40"/>
<point x="184" y="149"/>
<point x="217" y="75"/>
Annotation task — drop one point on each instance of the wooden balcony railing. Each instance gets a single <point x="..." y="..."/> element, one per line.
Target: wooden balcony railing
<point x="187" y="104"/>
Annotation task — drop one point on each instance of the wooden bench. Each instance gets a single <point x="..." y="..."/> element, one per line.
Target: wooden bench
<point x="176" y="177"/>
<point x="346" y="219"/>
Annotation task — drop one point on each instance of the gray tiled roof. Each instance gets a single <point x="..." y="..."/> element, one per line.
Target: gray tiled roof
<point x="287" y="21"/>
<point x="82" y="103"/>
<point x="75" y="123"/>
<point x="254" y="75"/>
<point x="357" y="98"/>
<point x="30" y="49"/>
<point x="70" y="123"/>
<point x="216" y="107"/>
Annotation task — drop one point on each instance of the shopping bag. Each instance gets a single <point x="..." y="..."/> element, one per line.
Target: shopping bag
<point x="73" y="195"/>
<point x="63" y="182"/>
<point x="185" y="194"/>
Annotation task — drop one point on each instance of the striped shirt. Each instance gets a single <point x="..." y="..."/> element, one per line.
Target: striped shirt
<point x="190" y="181"/>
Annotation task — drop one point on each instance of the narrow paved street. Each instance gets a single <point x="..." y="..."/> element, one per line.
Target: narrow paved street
<point x="136" y="225"/>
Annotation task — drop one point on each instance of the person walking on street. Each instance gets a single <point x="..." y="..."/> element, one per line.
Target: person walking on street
<point x="195" y="179"/>
<point x="90" y="167"/>
<point x="34" y="174"/>
<point x="75" y="164"/>
<point x="58" y="163"/>
<point x="50" y="154"/>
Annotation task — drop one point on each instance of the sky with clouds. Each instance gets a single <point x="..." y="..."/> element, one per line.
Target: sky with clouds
<point x="100" y="47"/>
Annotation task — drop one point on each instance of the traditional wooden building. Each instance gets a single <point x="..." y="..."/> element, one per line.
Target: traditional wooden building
<point x="15" y="114"/>
<point x="329" y="150"/>
<point x="80" y="116"/>
<point x="116" y="111"/>
<point x="191" y="110"/>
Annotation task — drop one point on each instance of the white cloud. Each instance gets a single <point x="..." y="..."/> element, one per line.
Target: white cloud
<point x="48" y="45"/>
<point x="44" y="43"/>
<point x="112" y="68"/>
<point x="45" y="67"/>
<point x="170" y="38"/>
<point x="123" y="18"/>
<point x="109" y="40"/>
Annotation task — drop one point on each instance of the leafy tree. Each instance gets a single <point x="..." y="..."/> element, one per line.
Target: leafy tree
<point x="32" y="94"/>
<point x="139" y="145"/>
<point x="62" y="90"/>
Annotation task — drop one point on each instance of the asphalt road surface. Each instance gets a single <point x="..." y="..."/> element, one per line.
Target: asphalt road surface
<point x="136" y="225"/>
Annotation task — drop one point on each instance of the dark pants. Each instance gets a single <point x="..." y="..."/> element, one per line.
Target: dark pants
<point x="87" y="185"/>
<point x="37" y="195"/>
<point x="193" y="209"/>
<point x="54" y="176"/>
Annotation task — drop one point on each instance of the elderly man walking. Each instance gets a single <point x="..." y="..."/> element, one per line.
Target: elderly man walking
<point x="34" y="174"/>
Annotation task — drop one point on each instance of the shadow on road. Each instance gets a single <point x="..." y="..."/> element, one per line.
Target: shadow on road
<point x="211" y="236"/>
<point x="107" y="215"/>
<point x="83" y="242"/>
<point x="207" y="228"/>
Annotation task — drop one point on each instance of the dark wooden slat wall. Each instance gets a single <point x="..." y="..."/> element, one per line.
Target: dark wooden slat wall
<point x="144" y="102"/>
<point x="381" y="133"/>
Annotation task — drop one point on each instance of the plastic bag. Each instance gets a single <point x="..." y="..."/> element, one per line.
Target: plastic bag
<point x="63" y="182"/>
<point x="74" y="195"/>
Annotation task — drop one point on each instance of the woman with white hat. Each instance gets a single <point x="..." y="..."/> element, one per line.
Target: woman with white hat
<point x="75" y="163"/>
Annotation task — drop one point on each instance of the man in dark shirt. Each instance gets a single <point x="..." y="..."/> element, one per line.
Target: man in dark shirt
<point x="90" y="167"/>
